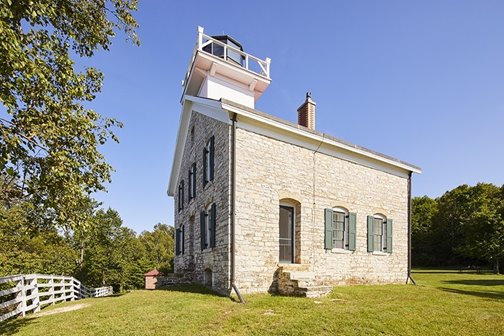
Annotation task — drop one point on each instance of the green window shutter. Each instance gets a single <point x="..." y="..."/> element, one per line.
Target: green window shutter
<point x="182" y="243"/>
<point x="352" y="230"/>
<point x="189" y="185"/>
<point x="370" y="234"/>
<point x="204" y="166"/>
<point x="212" y="154"/>
<point x="328" y="213"/>
<point x="213" y="224"/>
<point x="202" y="229"/>
<point x="177" y="242"/>
<point x="182" y="204"/>
<point x="194" y="180"/>
<point x="389" y="235"/>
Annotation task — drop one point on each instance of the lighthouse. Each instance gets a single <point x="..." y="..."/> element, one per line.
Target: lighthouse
<point x="220" y="68"/>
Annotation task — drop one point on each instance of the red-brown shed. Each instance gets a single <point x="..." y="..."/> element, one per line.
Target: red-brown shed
<point x="151" y="278"/>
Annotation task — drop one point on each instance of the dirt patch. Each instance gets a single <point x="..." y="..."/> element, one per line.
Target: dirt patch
<point x="62" y="309"/>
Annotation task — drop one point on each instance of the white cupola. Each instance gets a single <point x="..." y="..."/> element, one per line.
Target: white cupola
<point x="219" y="68"/>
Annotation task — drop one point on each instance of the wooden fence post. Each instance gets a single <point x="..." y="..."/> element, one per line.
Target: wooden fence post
<point x="21" y="295"/>
<point x="35" y="292"/>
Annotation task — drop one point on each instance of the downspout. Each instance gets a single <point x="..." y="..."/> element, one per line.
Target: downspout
<point x="410" y="278"/>
<point x="233" y="207"/>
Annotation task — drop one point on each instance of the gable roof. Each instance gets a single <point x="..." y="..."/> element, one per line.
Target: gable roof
<point x="277" y="124"/>
<point x="287" y="123"/>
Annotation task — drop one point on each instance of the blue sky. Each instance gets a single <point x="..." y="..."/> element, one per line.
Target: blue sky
<point x="420" y="81"/>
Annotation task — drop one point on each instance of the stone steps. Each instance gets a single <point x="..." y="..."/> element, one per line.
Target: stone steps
<point x="314" y="291"/>
<point x="295" y="267"/>
<point x="297" y="280"/>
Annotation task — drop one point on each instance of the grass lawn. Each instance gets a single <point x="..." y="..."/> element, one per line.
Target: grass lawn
<point x="443" y="303"/>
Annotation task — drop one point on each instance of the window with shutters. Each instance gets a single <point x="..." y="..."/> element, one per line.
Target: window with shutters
<point x="181" y="196"/>
<point x="208" y="220"/>
<point x="192" y="182"/>
<point x="340" y="229"/>
<point x="379" y="233"/>
<point x="208" y="161"/>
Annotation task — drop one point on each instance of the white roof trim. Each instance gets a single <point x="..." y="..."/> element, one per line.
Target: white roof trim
<point x="185" y="117"/>
<point x="322" y="139"/>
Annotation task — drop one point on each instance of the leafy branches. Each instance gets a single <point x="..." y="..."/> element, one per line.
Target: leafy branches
<point x="48" y="139"/>
<point x="466" y="224"/>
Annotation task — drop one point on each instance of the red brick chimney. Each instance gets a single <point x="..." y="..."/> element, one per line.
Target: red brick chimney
<point x="306" y="112"/>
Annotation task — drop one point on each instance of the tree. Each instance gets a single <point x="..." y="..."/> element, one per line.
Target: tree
<point x="447" y="226"/>
<point x="465" y="226"/>
<point x="49" y="140"/>
<point x="484" y="225"/>
<point x="112" y="254"/>
<point x="423" y="210"/>
<point x="159" y="247"/>
<point x="28" y="249"/>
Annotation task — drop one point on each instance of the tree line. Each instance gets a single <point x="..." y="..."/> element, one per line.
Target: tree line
<point x="464" y="227"/>
<point x="104" y="252"/>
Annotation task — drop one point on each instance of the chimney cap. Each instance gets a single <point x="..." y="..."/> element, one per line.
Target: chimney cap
<point x="308" y="94"/>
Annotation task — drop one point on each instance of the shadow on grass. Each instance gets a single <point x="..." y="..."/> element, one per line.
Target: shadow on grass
<point x="476" y="282"/>
<point x="494" y="295"/>
<point x="192" y="288"/>
<point x="452" y="272"/>
<point x="12" y="326"/>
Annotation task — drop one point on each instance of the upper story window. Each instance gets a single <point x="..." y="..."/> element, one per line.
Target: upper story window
<point x="181" y="196"/>
<point x="208" y="223"/>
<point x="379" y="233"/>
<point x="192" y="182"/>
<point x="208" y="161"/>
<point x="340" y="229"/>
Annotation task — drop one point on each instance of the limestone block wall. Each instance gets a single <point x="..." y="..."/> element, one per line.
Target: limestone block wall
<point x="270" y="170"/>
<point x="195" y="261"/>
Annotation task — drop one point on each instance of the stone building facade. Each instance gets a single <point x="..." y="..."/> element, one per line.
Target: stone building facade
<point x="267" y="205"/>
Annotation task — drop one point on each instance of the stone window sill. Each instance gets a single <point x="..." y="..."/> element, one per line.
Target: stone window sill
<point x="379" y="253"/>
<point x="341" y="251"/>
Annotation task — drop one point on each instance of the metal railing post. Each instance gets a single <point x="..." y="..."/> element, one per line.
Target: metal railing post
<point x="200" y="37"/>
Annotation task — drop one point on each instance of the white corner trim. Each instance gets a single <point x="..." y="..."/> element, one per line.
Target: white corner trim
<point x="185" y="117"/>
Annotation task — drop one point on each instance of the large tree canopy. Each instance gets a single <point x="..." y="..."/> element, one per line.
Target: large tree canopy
<point x="49" y="140"/>
<point x="462" y="227"/>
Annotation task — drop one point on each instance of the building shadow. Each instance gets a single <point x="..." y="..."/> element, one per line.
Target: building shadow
<point x="192" y="288"/>
<point x="493" y="295"/>
<point x="476" y="282"/>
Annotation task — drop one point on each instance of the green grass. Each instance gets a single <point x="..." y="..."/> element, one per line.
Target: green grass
<point x="443" y="303"/>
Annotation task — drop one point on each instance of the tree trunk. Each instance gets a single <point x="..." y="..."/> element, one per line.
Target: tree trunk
<point x="81" y="258"/>
<point x="496" y="266"/>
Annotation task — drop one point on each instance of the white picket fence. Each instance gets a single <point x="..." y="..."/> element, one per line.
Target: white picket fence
<point x="31" y="292"/>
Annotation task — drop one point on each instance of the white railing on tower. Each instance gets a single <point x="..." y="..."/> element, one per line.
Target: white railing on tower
<point x="250" y="62"/>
